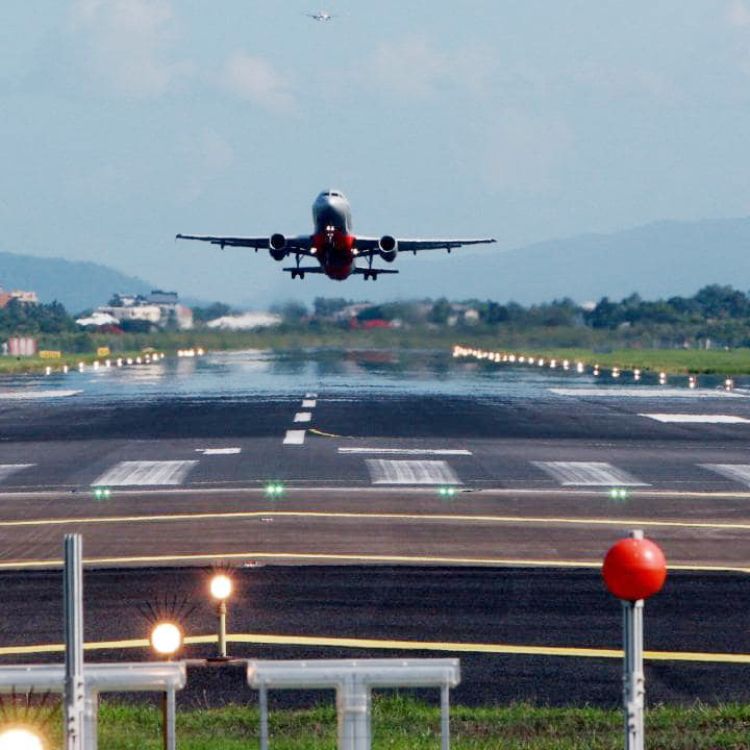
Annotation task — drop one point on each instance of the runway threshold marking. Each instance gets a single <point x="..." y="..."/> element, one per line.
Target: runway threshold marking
<point x="500" y="649"/>
<point x="309" y="403"/>
<point x="137" y="473"/>
<point x="735" y="472"/>
<point x="254" y="556"/>
<point x="588" y="474"/>
<point x="336" y="515"/>
<point x="383" y="471"/>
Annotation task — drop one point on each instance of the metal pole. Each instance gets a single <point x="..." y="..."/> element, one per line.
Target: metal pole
<point x="353" y="701"/>
<point x="263" y="706"/>
<point x="445" y="722"/>
<point x="633" y="676"/>
<point x="91" y="720"/>
<point x="169" y="711"/>
<point x="73" y="615"/>
<point x="222" y="612"/>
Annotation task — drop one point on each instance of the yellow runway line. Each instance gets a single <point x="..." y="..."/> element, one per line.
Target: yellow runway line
<point x="313" y="557"/>
<point x="345" y="515"/>
<point x="500" y="649"/>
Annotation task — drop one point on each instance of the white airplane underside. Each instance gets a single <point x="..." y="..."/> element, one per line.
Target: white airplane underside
<point x="333" y="245"/>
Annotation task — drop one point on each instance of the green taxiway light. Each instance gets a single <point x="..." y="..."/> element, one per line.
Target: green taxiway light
<point x="274" y="489"/>
<point x="102" y="493"/>
<point x="447" y="491"/>
<point x="618" y="493"/>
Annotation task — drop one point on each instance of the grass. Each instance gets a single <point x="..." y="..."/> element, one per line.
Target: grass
<point x="673" y="361"/>
<point x="402" y="723"/>
<point x="21" y="365"/>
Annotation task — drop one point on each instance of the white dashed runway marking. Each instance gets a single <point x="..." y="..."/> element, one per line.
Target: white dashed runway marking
<point x="302" y="416"/>
<point x="219" y="451"/>
<point x="309" y="403"/>
<point x="383" y="471"/>
<point x="588" y="474"/>
<point x="697" y="418"/>
<point x="142" y="473"/>
<point x="736" y="472"/>
<point x="408" y="451"/>
<point x="7" y="470"/>
<point x="295" y="437"/>
<point x="311" y="395"/>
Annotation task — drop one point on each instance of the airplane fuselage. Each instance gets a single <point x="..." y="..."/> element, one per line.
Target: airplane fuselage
<point x="333" y="241"/>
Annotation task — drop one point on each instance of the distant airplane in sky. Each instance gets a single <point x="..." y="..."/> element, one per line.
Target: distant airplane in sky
<point x="321" y="15"/>
<point x="333" y="245"/>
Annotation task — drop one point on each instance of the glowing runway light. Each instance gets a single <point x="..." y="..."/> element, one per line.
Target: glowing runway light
<point x="728" y="384"/>
<point x="615" y="372"/>
<point x="447" y="492"/>
<point x="618" y="493"/>
<point x="692" y="382"/>
<point x="636" y="374"/>
<point x="274" y="489"/>
<point x="102" y="493"/>
<point x="579" y="367"/>
<point x="166" y="638"/>
<point x="19" y="738"/>
<point x="221" y="587"/>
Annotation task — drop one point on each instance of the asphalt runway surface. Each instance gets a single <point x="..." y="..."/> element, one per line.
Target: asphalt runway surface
<point x="432" y="504"/>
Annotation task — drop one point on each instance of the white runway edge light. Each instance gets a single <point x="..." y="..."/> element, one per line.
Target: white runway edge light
<point x="166" y="638"/>
<point x="221" y="587"/>
<point x="20" y="738"/>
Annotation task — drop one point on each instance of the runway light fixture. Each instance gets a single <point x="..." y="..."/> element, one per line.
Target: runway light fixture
<point x="274" y="489"/>
<point x="166" y="639"/>
<point x="102" y="493"/>
<point x="221" y="587"/>
<point x="447" y="492"/>
<point x="20" y="738"/>
<point x="618" y="493"/>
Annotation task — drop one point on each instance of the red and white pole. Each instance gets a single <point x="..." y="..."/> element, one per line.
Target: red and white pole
<point x="634" y="569"/>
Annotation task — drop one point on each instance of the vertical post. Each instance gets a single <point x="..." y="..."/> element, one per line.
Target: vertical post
<point x="169" y="711"/>
<point x="73" y="613"/>
<point x="445" y="721"/>
<point x="222" y="612"/>
<point x="91" y="720"/>
<point x="263" y="706"/>
<point x="353" y="701"/>
<point x="633" y="676"/>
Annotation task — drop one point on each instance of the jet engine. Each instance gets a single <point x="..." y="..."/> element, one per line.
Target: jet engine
<point x="388" y="247"/>
<point x="277" y="247"/>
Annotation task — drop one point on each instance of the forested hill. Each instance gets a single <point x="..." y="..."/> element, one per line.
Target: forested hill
<point x="78" y="285"/>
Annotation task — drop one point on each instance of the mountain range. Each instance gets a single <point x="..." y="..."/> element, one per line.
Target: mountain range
<point x="656" y="260"/>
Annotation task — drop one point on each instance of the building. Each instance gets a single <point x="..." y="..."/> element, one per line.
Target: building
<point x="159" y="309"/>
<point x="28" y="298"/>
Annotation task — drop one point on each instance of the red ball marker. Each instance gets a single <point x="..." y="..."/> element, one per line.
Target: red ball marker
<point x="634" y="569"/>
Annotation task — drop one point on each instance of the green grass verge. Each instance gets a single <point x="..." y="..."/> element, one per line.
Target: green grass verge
<point x="20" y="365"/>
<point x="674" y="361"/>
<point x="403" y="723"/>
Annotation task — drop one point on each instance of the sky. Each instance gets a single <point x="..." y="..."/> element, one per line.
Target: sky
<point x="123" y="122"/>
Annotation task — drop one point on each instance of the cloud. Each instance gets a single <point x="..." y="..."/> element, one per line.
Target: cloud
<point x="413" y="67"/>
<point x="255" y="79"/>
<point x="738" y="13"/>
<point x="127" y="45"/>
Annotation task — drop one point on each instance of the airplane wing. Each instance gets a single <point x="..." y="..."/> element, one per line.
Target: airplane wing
<point x="369" y="245"/>
<point x="299" y="245"/>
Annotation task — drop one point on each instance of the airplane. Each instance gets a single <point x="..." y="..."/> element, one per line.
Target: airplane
<point x="333" y="244"/>
<point x="321" y="15"/>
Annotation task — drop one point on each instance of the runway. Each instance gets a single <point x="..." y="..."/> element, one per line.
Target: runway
<point x="409" y="463"/>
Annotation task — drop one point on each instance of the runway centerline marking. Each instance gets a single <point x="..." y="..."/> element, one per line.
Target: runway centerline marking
<point x="407" y="517"/>
<point x="736" y="472"/>
<point x="383" y="471"/>
<point x="144" y="473"/>
<point x="302" y="416"/>
<point x="294" y="437"/>
<point x="696" y="418"/>
<point x="588" y="474"/>
<point x="311" y="395"/>
<point x="408" y="451"/>
<point x="271" y="639"/>
<point x="8" y="470"/>
<point x="309" y="403"/>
